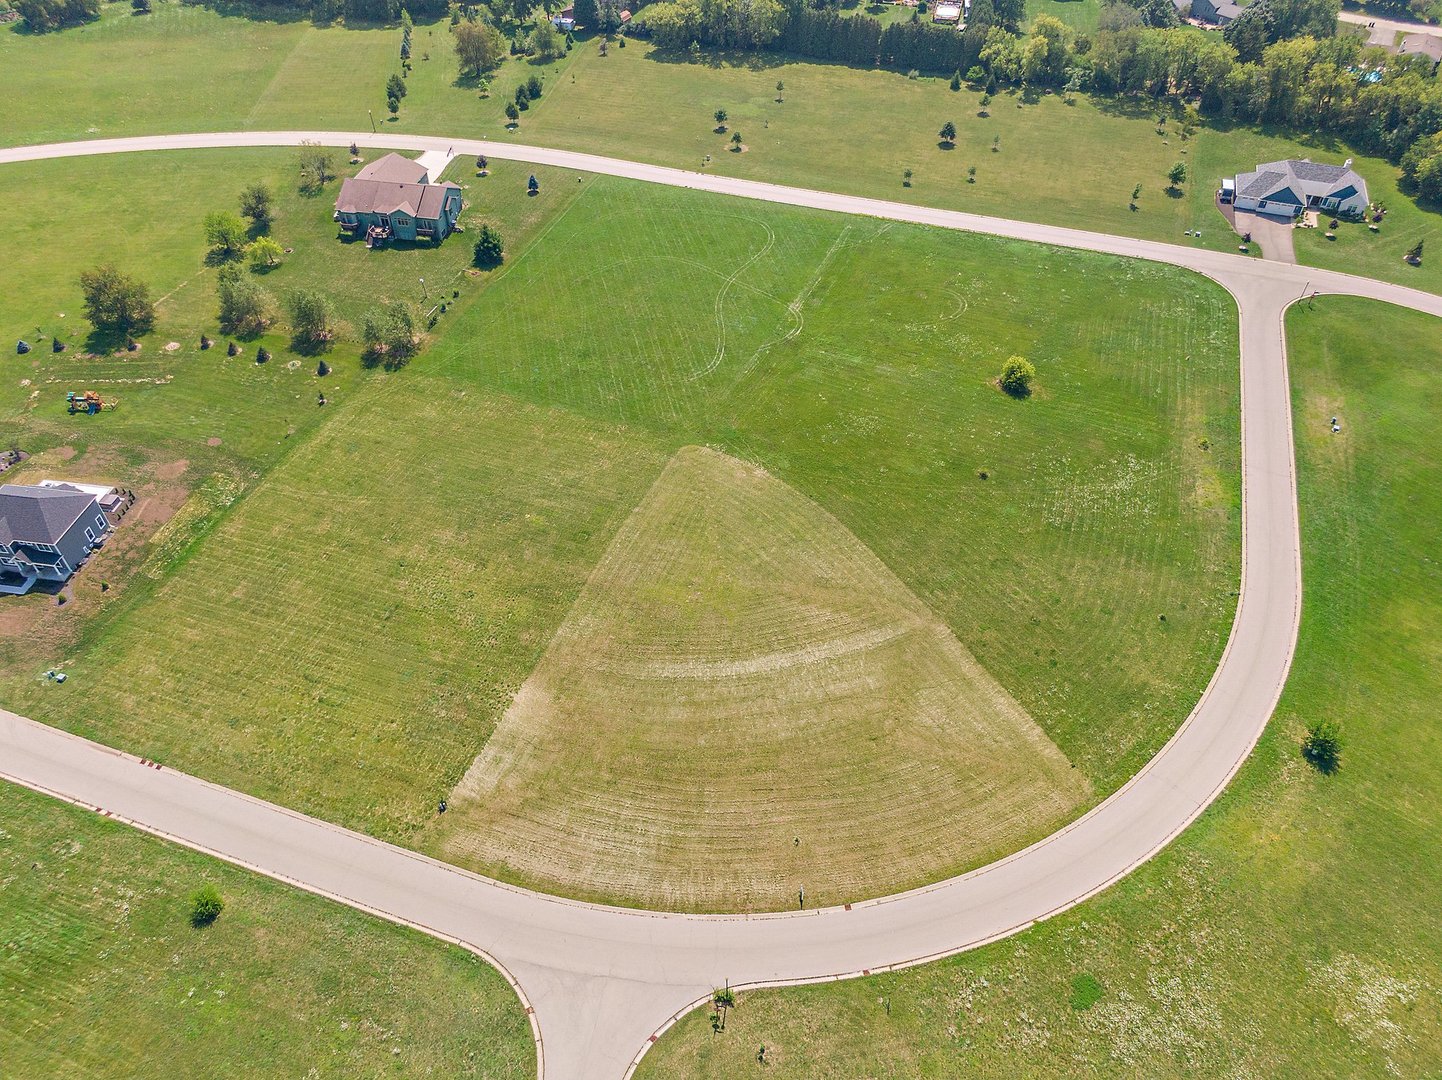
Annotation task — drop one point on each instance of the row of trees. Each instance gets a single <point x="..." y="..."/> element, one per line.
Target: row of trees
<point x="42" y="16"/>
<point x="1281" y="62"/>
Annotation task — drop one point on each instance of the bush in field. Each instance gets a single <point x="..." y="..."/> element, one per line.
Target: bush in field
<point x="1322" y="746"/>
<point x="206" y="904"/>
<point x="1016" y="376"/>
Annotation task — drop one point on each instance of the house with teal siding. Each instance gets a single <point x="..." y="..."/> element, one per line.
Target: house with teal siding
<point x="393" y="198"/>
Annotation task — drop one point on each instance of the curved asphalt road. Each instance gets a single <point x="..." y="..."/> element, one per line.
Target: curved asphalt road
<point x="602" y="982"/>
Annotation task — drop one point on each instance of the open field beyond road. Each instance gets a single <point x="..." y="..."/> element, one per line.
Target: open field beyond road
<point x="102" y="975"/>
<point x="348" y="638"/>
<point x="837" y="128"/>
<point x="1292" y="925"/>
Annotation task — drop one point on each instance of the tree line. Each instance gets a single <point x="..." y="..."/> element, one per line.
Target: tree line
<point x="1281" y="62"/>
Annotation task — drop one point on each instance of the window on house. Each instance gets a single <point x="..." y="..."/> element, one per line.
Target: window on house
<point x="90" y="535"/>
<point x="100" y="521"/>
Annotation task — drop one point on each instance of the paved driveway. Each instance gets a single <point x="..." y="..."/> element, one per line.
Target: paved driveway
<point x="1273" y="233"/>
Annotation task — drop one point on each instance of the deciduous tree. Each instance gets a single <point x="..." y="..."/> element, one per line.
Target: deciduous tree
<point x="257" y="204"/>
<point x="479" y="47"/>
<point x="317" y="166"/>
<point x="246" y="309"/>
<point x="311" y="319"/>
<point x="116" y="302"/>
<point x="266" y="252"/>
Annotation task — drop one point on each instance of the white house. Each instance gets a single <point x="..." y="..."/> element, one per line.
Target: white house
<point x="1288" y="187"/>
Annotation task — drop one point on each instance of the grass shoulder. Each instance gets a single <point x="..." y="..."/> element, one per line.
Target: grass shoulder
<point x="107" y="974"/>
<point x="1290" y="925"/>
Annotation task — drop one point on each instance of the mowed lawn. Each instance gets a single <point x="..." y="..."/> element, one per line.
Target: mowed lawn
<point x="349" y="637"/>
<point x="837" y="128"/>
<point x="190" y="68"/>
<point x="856" y="361"/>
<point x="145" y="213"/>
<point x="741" y="681"/>
<point x="345" y="640"/>
<point x="190" y="423"/>
<point x="102" y="975"/>
<point x="1291" y="931"/>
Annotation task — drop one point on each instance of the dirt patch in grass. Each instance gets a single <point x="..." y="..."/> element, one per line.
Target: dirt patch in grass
<point x="744" y="702"/>
<point x="39" y="631"/>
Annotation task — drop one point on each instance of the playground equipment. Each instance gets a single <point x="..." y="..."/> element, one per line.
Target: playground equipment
<point x="88" y="402"/>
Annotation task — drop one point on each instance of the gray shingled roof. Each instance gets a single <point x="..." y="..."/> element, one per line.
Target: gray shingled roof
<point x="1293" y="180"/>
<point x="394" y="169"/>
<point x="39" y="515"/>
<point x="1254" y="185"/>
<point x="1421" y="44"/>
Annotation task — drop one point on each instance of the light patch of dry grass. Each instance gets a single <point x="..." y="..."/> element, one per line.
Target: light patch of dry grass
<point x="745" y="701"/>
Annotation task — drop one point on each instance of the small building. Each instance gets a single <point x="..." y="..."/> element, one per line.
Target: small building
<point x="1427" y="45"/>
<point x="946" y="12"/>
<point x="48" y="530"/>
<point x="1288" y="187"/>
<point x="1215" y="12"/>
<point x="393" y="198"/>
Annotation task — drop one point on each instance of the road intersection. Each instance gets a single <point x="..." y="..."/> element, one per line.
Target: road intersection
<point x="601" y="983"/>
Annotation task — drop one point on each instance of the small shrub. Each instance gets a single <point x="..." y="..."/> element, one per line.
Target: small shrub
<point x="262" y="355"/>
<point x="490" y="248"/>
<point x="206" y="904"/>
<point x="1016" y="376"/>
<point x="1085" y="992"/>
<point x="1322" y="746"/>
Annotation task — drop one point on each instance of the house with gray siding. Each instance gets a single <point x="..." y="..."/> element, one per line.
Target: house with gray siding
<point x="393" y="198"/>
<point x="1286" y="188"/>
<point x="46" y="532"/>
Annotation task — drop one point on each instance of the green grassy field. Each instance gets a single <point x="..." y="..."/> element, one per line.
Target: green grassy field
<point x="838" y="128"/>
<point x="190" y="68"/>
<point x="854" y="360"/>
<point x="191" y="425"/>
<point x="102" y="975"/>
<point x="741" y="676"/>
<point x="1080" y="15"/>
<point x="1291" y="930"/>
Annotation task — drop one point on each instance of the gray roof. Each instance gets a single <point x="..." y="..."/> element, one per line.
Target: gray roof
<point x="39" y="515"/>
<point x="1293" y="181"/>
<point x="395" y="169"/>
<point x="359" y="196"/>
<point x="1421" y="44"/>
